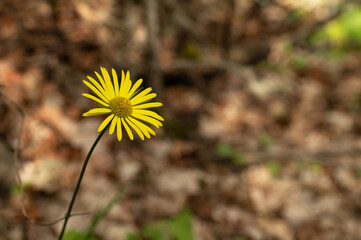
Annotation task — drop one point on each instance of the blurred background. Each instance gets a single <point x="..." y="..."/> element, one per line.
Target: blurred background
<point x="262" y="101"/>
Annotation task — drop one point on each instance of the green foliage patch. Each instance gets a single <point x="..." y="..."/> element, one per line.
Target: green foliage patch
<point x="175" y="228"/>
<point x="265" y="140"/>
<point x="227" y="151"/>
<point x="274" y="168"/>
<point x="75" y="235"/>
<point x="342" y="32"/>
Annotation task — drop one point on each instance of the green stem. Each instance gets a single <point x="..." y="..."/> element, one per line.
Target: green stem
<point x="79" y="182"/>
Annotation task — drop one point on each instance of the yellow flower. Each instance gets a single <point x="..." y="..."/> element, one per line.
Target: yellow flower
<point x="124" y="103"/>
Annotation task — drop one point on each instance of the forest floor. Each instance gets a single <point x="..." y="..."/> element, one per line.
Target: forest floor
<point x="249" y="150"/>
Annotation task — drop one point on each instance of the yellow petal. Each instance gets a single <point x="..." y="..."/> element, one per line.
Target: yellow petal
<point x="96" y="91"/>
<point x="122" y="83"/>
<point x="126" y="87"/>
<point x="95" y="99"/>
<point x="96" y="112"/>
<point x="145" y="129"/>
<point x="147" y="119"/>
<point x="142" y="93"/>
<point x="105" y="122"/>
<point x="112" y="125"/>
<point x="100" y="88"/>
<point x="149" y="113"/>
<point x="130" y="134"/>
<point x="140" y="134"/>
<point x="143" y="99"/>
<point x="148" y="105"/>
<point x="119" y="129"/>
<point x="135" y="87"/>
<point x="141" y="128"/>
<point x="103" y="84"/>
<point x="116" y="83"/>
<point x="108" y="82"/>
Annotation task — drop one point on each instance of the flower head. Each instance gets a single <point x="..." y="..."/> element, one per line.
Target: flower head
<point x="125" y="104"/>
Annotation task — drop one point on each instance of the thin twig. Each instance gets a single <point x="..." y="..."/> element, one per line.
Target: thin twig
<point x="223" y="65"/>
<point x="17" y="147"/>
<point x="154" y="44"/>
<point x="227" y="29"/>
<point x="321" y="157"/>
<point x="17" y="165"/>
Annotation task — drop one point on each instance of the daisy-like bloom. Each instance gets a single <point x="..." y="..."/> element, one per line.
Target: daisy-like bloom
<point x="126" y="106"/>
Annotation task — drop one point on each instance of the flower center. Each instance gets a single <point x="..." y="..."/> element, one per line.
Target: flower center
<point x="121" y="107"/>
